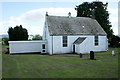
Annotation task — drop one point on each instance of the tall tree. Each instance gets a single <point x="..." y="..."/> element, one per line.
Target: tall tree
<point x="17" y="33"/>
<point x="98" y="11"/>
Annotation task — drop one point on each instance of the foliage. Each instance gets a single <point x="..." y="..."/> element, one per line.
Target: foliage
<point x="37" y="37"/>
<point x="115" y="41"/>
<point x="5" y="41"/>
<point x="98" y="11"/>
<point x="17" y="33"/>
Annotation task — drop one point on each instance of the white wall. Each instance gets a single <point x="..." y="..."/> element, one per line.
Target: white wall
<point x="48" y="38"/>
<point x="77" y="48"/>
<point x="85" y="47"/>
<point x="45" y="31"/>
<point x="26" y="46"/>
<point x="103" y="46"/>
<point x="89" y="45"/>
<point x="58" y="45"/>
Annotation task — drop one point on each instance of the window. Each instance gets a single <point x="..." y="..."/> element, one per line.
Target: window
<point x="43" y="46"/>
<point x="64" y="41"/>
<point x="96" y="40"/>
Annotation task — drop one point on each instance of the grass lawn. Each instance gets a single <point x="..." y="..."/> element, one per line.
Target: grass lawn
<point x="60" y="66"/>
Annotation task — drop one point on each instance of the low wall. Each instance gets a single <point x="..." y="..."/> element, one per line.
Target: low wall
<point x="26" y="46"/>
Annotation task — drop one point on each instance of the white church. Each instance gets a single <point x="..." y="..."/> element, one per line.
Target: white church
<point x="65" y="34"/>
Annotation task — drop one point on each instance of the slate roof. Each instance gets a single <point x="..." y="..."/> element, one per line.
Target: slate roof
<point x="79" y="40"/>
<point x="61" y="25"/>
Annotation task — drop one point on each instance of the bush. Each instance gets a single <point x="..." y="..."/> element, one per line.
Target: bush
<point x="37" y="37"/>
<point x="5" y="41"/>
<point x="17" y="33"/>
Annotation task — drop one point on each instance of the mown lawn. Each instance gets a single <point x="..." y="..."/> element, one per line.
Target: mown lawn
<point x="60" y="66"/>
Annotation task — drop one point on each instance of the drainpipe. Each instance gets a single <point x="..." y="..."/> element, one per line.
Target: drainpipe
<point x="52" y="44"/>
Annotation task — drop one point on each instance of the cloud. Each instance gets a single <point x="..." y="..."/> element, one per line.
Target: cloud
<point x="113" y="11"/>
<point x="31" y="19"/>
<point x="39" y="14"/>
<point x="113" y="17"/>
<point x="114" y="22"/>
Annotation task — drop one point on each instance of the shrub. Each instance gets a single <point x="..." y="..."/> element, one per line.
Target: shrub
<point x="5" y="41"/>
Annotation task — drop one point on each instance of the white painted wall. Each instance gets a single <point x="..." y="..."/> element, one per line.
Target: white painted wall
<point x="26" y="46"/>
<point x="45" y="32"/>
<point x="88" y="45"/>
<point x="77" y="48"/>
<point x="48" y="38"/>
<point x="85" y="47"/>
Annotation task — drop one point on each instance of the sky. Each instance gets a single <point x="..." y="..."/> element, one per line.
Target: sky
<point x="31" y="14"/>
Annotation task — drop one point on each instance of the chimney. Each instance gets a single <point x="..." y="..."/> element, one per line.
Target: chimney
<point x="69" y="14"/>
<point x="46" y="13"/>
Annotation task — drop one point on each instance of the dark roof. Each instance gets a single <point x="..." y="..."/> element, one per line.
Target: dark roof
<point x="79" y="40"/>
<point x="58" y="25"/>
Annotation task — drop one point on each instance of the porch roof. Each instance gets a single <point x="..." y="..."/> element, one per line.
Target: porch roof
<point x="79" y="40"/>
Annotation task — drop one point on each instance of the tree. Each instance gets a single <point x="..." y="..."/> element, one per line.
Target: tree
<point x="5" y="41"/>
<point x="115" y="41"/>
<point x="98" y="11"/>
<point x="17" y="33"/>
<point x="37" y="37"/>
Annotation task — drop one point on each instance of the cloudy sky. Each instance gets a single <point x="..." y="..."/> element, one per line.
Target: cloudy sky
<point x="31" y="15"/>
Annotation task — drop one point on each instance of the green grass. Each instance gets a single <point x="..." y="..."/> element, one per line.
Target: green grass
<point x="60" y="66"/>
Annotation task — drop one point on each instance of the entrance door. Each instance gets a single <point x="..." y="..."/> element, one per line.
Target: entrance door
<point x="73" y="48"/>
<point x="43" y="48"/>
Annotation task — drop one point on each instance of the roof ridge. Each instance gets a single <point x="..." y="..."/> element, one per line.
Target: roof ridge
<point x="68" y="17"/>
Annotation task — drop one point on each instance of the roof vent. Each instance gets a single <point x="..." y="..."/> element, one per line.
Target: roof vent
<point x="69" y="14"/>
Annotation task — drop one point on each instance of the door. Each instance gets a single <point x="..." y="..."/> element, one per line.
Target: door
<point x="43" y="48"/>
<point x="73" y="48"/>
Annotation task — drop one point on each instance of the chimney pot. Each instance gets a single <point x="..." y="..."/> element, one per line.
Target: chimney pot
<point x="69" y="14"/>
<point x="46" y="13"/>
